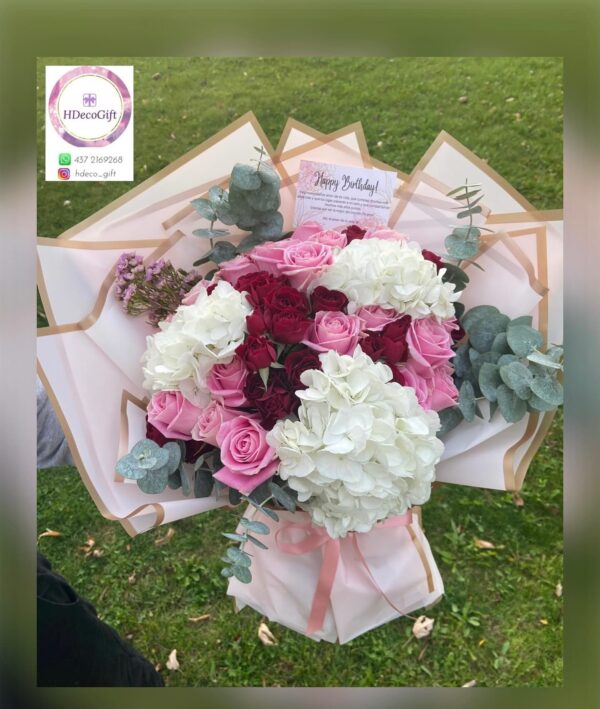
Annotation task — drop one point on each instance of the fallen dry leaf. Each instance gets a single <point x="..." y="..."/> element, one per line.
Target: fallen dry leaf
<point x="198" y="618"/>
<point x="471" y="683"/>
<point x="462" y="99"/>
<point x="131" y="579"/>
<point x="543" y="621"/>
<point x="482" y="642"/>
<point x="88" y="546"/>
<point x="98" y="552"/>
<point x="50" y="533"/>
<point x="172" y="663"/>
<point x="422" y="627"/>
<point x="265" y="635"/>
<point x="482" y="544"/>
<point x="558" y="590"/>
<point x="161" y="541"/>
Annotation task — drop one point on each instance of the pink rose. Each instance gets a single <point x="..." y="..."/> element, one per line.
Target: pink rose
<point x="248" y="460"/>
<point x="192" y="296"/>
<point x="385" y="234"/>
<point x="304" y="232"/>
<point x="303" y="261"/>
<point x="434" y="387"/>
<point x="329" y="237"/>
<point x="172" y="414"/>
<point x="332" y="330"/>
<point x="429" y="342"/>
<point x="376" y="317"/>
<point x="226" y="382"/>
<point x="209" y="422"/>
<point x="230" y="271"/>
<point x="269" y="255"/>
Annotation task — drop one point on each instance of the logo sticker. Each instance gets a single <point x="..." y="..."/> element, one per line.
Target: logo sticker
<point x="90" y="106"/>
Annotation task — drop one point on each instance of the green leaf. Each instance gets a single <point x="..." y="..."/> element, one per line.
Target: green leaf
<point x="483" y="333"/>
<point x="507" y="359"/>
<point x="204" y="208"/>
<point x="468" y="195"/>
<point x="534" y="403"/>
<point x="523" y="339"/>
<point x="234" y="496"/>
<point x="245" y="177"/>
<point x="216" y="195"/>
<point x="227" y="571"/>
<point x="500" y="344"/>
<point x="210" y="233"/>
<point x="456" y="190"/>
<point x="455" y="275"/>
<point x="544" y="360"/>
<point x="203" y="483"/>
<point x="269" y="512"/>
<point x="489" y="380"/>
<point x="474" y="315"/>
<point x="517" y="377"/>
<point x="269" y="176"/>
<point x="449" y="419"/>
<point x="522" y="320"/>
<point x="467" y="212"/>
<point x="235" y="537"/>
<point x="174" y="452"/>
<point x="238" y="556"/>
<point x="225" y="213"/>
<point x="548" y="389"/>
<point x="466" y="401"/>
<point x="155" y="481"/>
<point x="242" y="573"/>
<point x="145" y="447"/>
<point x="257" y="542"/>
<point x="249" y="242"/>
<point x="255" y="526"/>
<point x="511" y="406"/>
<point x="223" y="251"/>
<point x="283" y="497"/>
<point x="128" y="467"/>
<point x="460" y="247"/>
<point x="266" y="199"/>
<point x="174" y="481"/>
<point x="271" y="228"/>
<point x="186" y="485"/>
<point x="461" y="360"/>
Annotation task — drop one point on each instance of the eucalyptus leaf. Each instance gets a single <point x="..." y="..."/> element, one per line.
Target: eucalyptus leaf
<point x="204" y="208"/>
<point x="255" y="526"/>
<point x="257" y="542"/>
<point x="544" y="360"/>
<point x="249" y="242"/>
<point x="467" y="212"/>
<point x="523" y="339"/>
<point x="548" y="389"/>
<point x="466" y="401"/>
<point x="145" y="447"/>
<point x="522" y="320"/>
<point x="222" y="251"/>
<point x="260" y="494"/>
<point x="234" y="496"/>
<point x="210" y="233"/>
<point x="483" y="333"/>
<point x="227" y="571"/>
<point x="235" y="537"/>
<point x="174" y="481"/>
<point x="242" y="573"/>
<point x="456" y="275"/>
<point x="450" y="418"/>
<point x="186" y="485"/>
<point x="461" y="248"/>
<point x="245" y="177"/>
<point x="489" y="380"/>
<point x="517" y="377"/>
<point x="128" y="467"/>
<point x="203" y="483"/>
<point x="507" y="359"/>
<point x="511" y="406"/>
<point x="270" y="513"/>
<point x="476" y="314"/>
<point x="500" y="344"/>
<point x="155" y="481"/>
<point x="216" y="195"/>
<point x="269" y="176"/>
<point x="461" y="361"/>
<point x="534" y="403"/>
<point x="271" y="228"/>
<point x="283" y="497"/>
<point x="238" y="556"/>
<point x="174" y="453"/>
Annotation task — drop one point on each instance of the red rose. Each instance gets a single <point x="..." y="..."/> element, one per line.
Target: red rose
<point x="353" y="232"/>
<point x="256" y="323"/>
<point x="259" y="285"/>
<point x="286" y="298"/>
<point x="324" y="299"/>
<point x="257" y="352"/>
<point x="395" y="348"/>
<point x="273" y="403"/>
<point x="298" y="362"/>
<point x="373" y="345"/>
<point x="397" y="375"/>
<point x="288" y="327"/>
<point x="434" y="258"/>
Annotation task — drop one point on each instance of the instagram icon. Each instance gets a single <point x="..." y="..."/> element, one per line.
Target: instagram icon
<point x="64" y="173"/>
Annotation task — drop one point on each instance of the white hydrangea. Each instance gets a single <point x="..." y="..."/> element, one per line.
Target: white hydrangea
<point x="197" y="337"/>
<point x="362" y="449"/>
<point x="392" y="274"/>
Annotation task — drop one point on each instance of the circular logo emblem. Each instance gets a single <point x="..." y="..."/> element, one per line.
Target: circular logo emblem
<point x="89" y="106"/>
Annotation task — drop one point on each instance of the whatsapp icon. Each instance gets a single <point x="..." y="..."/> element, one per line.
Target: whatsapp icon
<point x="64" y="158"/>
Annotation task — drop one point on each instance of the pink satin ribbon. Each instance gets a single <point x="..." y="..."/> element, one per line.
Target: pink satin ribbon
<point x="316" y="537"/>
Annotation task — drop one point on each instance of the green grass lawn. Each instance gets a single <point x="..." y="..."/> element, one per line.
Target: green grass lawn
<point x="500" y="622"/>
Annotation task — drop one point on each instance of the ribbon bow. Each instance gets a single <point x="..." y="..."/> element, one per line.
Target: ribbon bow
<point x="315" y="537"/>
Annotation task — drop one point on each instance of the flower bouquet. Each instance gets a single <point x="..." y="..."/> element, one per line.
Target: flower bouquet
<point x="317" y="374"/>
